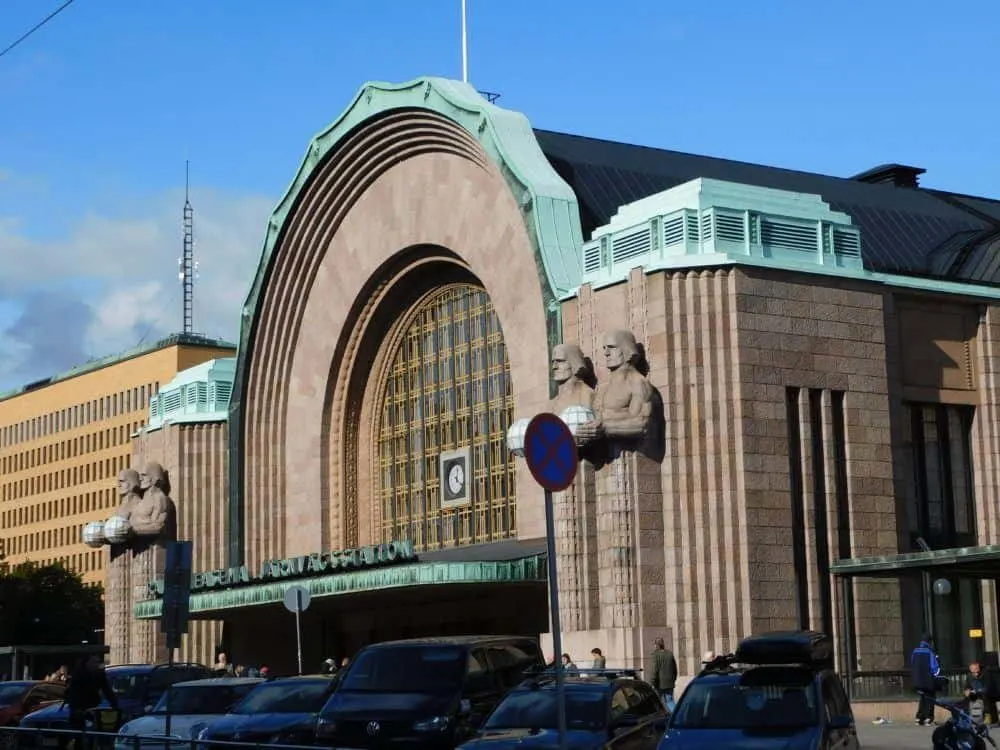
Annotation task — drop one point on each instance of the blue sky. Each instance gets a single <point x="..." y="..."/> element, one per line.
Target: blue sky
<point x="102" y="106"/>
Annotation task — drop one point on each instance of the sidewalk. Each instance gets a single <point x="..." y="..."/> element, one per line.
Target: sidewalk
<point x="899" y="736"/>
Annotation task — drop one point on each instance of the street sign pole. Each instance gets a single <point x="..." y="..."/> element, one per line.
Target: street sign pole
<point x="297" y="600"/>
<point x="176" y="611"/>
<point x="550" y="548"/>
<point x="298" y="627"/>
<point x="550" y="450"/>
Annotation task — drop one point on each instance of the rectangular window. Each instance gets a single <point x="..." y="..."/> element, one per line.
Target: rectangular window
<point x="939" y="488"/>
<point x="798" y="505"/>
<point x="821" y="527"/>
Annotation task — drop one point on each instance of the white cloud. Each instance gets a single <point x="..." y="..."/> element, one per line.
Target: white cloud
<point x="112" y="280"/>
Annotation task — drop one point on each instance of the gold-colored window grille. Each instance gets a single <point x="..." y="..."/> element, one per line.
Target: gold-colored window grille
<point x="448" y="387"/>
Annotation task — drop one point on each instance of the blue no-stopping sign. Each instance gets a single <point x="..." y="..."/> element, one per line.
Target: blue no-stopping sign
<point x="550" y="451"/>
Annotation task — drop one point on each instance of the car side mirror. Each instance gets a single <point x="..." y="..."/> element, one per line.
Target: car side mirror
<point x="840" y="722"/>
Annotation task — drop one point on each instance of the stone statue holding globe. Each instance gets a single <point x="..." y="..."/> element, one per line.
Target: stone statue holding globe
<point x="136" y="534"/>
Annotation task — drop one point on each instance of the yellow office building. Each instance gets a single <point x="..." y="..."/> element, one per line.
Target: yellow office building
<point x="64" y="439"/>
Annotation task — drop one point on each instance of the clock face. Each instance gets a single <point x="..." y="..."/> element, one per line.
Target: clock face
<point x="456" y="479"/>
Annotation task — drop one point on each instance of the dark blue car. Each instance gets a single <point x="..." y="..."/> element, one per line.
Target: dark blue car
<point x="777" y="692"/>
<point x="603" y="710"/>
<point x="281" y="711"/>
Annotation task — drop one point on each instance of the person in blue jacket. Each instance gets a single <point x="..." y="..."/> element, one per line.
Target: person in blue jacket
<point x="925" y="669"/>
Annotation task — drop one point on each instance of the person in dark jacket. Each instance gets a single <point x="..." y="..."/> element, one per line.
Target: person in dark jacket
<point x="664" y="673"/>
<point x="925" y="670"/>
<point x="87" y="683"/>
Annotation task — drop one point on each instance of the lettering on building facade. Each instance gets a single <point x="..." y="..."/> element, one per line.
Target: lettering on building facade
<point x="304" y="566"/>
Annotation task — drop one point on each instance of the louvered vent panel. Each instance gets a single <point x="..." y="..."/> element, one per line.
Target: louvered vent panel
<point x="630" y="245"/>
<point x="692" y="227"/>
<point x="706" y="227"/>
<point x="171" y="401"/>
<point x="673" y="231"/>
<point x="223" y="392"/>
<point x="788" y="236"/>
<point x="729" y="228"/>
<point x="846" y="243"/>
<point x="591" y="257"/>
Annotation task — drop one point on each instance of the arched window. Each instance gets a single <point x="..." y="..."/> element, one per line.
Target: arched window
<point x="447" y="390"/>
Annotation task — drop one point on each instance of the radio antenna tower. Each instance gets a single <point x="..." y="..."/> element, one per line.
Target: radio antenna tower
<point x="188" y="266"/>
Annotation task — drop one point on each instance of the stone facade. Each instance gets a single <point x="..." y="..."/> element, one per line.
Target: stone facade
<point x="195" y="457"/>
<point x="736" y="354"/>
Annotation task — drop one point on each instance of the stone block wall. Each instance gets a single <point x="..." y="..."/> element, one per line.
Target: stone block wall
<point x="194" y="456"/>
<point x="726" y="350"/>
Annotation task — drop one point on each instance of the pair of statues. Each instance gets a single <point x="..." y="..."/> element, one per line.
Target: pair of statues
<point x="146" y="503"/>
<point x="620" y="409"/>
<point x="146" y="513"/>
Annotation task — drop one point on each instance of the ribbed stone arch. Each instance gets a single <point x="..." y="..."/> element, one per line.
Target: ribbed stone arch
<point x="405" y="177"/>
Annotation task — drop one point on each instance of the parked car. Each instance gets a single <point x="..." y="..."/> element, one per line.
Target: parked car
<point x="138" y="688"/>
<point x="193" y="706"/>
<point x="603" y="710"/>
<point x="427" y="694"/>
<point x="778" y="690"/>
<point x="20" y="698"/>
<point x="278" y="711"/>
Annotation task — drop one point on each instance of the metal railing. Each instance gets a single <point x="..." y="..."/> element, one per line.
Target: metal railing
<point x="896" y="685"/>
<point x="39" y="738"/>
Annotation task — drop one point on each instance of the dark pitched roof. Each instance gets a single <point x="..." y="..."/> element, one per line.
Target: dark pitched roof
<point x="905" y="230"/>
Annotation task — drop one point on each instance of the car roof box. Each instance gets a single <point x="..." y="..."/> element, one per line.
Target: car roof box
<point x="786" y="647"/>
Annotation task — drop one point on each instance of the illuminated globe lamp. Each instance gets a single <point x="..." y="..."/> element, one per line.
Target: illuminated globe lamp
<point x="577" y="415"/>
<point x="116" y="530"/>
<point x="93" y="534"/>
<point x="942" y="587"/>
<point x="515" y="436"/>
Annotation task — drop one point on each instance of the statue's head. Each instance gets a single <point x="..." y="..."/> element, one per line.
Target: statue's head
<point x="620" y="347"/>
<point x="154" y="475"/>
<point x="128" y="482"/>
<point x="568" y="361"/>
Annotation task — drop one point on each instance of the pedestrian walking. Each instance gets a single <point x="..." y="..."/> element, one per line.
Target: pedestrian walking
<point x="925" y="669"/>
<point x="664" y="674"/>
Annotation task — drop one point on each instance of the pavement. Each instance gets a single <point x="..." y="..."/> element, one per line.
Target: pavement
<point x="902" y="735"/>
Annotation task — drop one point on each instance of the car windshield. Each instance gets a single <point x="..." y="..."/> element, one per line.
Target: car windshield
<point x="734" y="704"/>
<point x="203" y="699"/>
<point x="536" y="709"/>
<point x="298" y="697"/>
<point x="12" y="692"/>
<point x="128" y="684"/>
<point x="407" y="669"/>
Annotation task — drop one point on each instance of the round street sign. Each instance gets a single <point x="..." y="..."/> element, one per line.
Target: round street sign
<point x="297" y="599"/>
<point x="550" y="450"/>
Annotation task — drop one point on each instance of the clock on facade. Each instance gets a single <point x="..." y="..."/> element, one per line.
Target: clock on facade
<point x="454" y="478"/>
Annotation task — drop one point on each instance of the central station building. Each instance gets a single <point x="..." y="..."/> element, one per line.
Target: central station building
<point x="794" y="424"/>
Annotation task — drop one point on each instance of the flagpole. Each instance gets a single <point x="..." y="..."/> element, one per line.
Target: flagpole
<point x="465" y="46"/>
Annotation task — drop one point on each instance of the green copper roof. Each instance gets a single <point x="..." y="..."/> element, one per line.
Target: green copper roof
<point x="548" y="203"/>
<point x="713" y="222"/>
<point x="707" y="223"/>
<point x="198" y="394"/>
<point x="177" y="339"/>
<point x="527" y="569"/>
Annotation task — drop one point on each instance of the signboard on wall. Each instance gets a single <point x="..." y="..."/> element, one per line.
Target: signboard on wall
<point x="303" y="566"/>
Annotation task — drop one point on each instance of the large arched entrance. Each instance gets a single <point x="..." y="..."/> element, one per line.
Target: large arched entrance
<point x="399" y="321"/>
<point x="444" y="391"/>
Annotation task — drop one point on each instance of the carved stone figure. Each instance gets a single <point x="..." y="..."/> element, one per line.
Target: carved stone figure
<point x="624" y="401"/>
<point x="576" y="555"/>
<point x="118" y="596"/>
<point x="130" y="490"/>
<point x="154" y="516"/>
<point x="574" y="375"/>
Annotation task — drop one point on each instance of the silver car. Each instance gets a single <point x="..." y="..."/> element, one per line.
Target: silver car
<point x="193" y="706"/>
